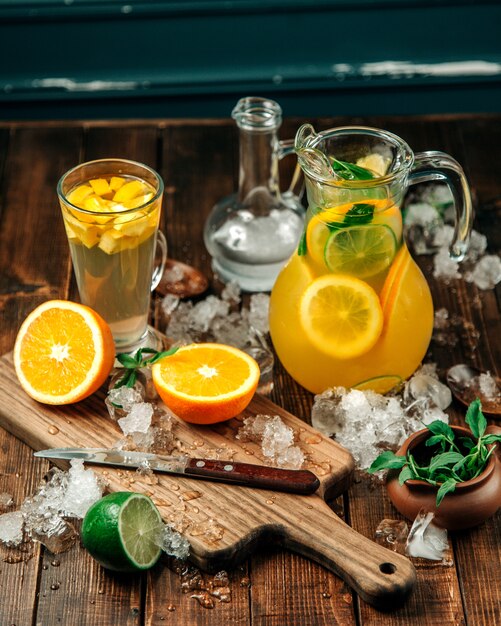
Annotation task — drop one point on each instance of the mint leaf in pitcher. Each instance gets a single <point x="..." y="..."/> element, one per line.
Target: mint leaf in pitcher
<point x="359" y="214"/>
<point x="350" y="171"/>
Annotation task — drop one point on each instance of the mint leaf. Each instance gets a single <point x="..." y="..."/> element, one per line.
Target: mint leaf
<point x="441" y="428"/>
<point x="161" y="355"/>
<point x="475" y="418"/>
<point x="467" y="442"/>
<point x="350" y="171"/>
<point x="387" y="460"/>
<point x="406" y="474"/>
<point x="431" y="441"/>
<point x="448" y="487"/>
<point x="491" y="439"/>
<point x="359" y="214"/>
<point x="127" y="361"/>
<point x="443" y="460"/>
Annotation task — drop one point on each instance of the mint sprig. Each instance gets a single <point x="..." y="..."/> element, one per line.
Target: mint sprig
<point x="350" y="171"/>
<point x="454" y="460"/>
<point x="134" y="363"/>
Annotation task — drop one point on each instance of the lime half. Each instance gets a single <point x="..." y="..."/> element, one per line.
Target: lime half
<point x="121" y="532"/>
<point x="361" y="251"/>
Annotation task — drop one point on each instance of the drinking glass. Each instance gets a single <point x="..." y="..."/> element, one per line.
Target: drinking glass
<point x="111" y="211"/>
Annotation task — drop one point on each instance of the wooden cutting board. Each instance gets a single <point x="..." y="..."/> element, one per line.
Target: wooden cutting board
<point x="224" y="523"/>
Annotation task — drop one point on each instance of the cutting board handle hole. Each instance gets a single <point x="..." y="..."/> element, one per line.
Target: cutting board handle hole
<point x="388" y="568"/>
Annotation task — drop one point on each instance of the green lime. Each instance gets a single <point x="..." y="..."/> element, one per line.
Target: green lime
<point x="361" y="251"/>
<point x="120" y="531"/>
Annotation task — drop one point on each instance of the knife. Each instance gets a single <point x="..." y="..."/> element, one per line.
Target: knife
<point x="245" y="474"/>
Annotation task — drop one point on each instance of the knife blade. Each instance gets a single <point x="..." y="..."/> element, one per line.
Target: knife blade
<point x="244" y="474"/>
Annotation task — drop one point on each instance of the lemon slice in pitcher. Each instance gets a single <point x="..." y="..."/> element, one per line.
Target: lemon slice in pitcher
<point x="361" y="251"/>
<point x="341" y="316"/>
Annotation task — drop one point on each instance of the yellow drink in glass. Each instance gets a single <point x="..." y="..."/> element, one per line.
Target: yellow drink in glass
<point x="111" y="219"/>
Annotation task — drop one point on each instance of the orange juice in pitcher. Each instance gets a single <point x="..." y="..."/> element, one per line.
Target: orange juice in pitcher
<point x="351" y="308"/>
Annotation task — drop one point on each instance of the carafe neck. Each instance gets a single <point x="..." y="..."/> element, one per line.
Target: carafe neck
<point x="258" y="121"/>
<point x="258" y="163"/>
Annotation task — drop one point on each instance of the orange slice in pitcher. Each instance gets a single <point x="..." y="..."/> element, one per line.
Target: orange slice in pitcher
<point x="206" y="383"/>
<point x="341" y="316"/>
<point x="64" y="351"/>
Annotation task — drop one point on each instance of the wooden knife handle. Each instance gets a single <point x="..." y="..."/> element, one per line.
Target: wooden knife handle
<point x="258" y="476"/>
<point x="381" y="577"/>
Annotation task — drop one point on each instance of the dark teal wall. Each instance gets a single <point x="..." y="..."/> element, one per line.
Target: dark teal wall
<point x="91" y="58"/>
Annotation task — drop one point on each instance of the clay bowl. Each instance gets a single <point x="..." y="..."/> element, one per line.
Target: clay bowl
<point x="471" y="504"/>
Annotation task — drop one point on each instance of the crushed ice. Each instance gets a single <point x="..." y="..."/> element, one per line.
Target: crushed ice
<point x="276" y="439"/>
<point x="366" y="422"/>
<point x="428" y="219"/>
<point x="173" y="543"/>
<point x="43" y="515"/>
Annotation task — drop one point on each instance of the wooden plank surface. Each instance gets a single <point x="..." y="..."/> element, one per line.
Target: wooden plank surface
<point x="198" y="163"/>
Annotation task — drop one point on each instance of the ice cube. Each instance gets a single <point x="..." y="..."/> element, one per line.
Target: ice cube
<point x="487" y="272"/>
<point x="291" y="458"/>
<point x="231" y="293"/>
<point x="204" y="312"/>
<point x="6" y="501"/>
<point x="441" y="321"/>
<point x="170" y="303"/>
<point x="122" y="398"/>
<point x="392" y="534"/>
<point x="422" y="214"/>
<point x="427" y="389"/>
<point x="443" y="236"/>
<point x="11" y="528"/>
<point x="138" y="419"/>
<point x="173" y="543"/>
<point x="438" y="195"/>
<point x="476" y="246"/>
<point x="488" y="386"/>
<point x="444" y="267"/>
<point x="83" y="489"/>
<point x="61" y="538"/>
<point x="276" y="439"/>
<point x="426" y="540"/>
<point x="258" y="312"/>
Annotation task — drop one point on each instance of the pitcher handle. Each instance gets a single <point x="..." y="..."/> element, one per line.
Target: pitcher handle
<point x="296" y="187"/>
<point x="159" y="269"/>
<point x="433" y="165"/>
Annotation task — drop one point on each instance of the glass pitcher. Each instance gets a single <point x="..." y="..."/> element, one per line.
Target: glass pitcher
<point x="251" y="234"/>
<point x="351" y="307"/>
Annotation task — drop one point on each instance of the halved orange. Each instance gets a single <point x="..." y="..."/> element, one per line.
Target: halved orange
<point x="63" y="353"/>
<point x="341" y="315"/>
<point x="206" y="383"/>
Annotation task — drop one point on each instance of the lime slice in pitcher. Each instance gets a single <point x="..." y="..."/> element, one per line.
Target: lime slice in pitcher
<point x="361" y="251"/>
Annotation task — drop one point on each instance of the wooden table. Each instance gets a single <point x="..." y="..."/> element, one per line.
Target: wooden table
<point x="198" y="161"/>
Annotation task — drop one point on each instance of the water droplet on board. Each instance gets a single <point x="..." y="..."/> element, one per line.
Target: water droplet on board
<point x="55" y="563"/>
<point x="53" y="430"/>
<point x="55" y="586"/>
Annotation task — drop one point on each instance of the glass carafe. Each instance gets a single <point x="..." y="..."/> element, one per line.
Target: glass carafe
<point x="251" y="234"/>
<point x="351" y="307"/>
